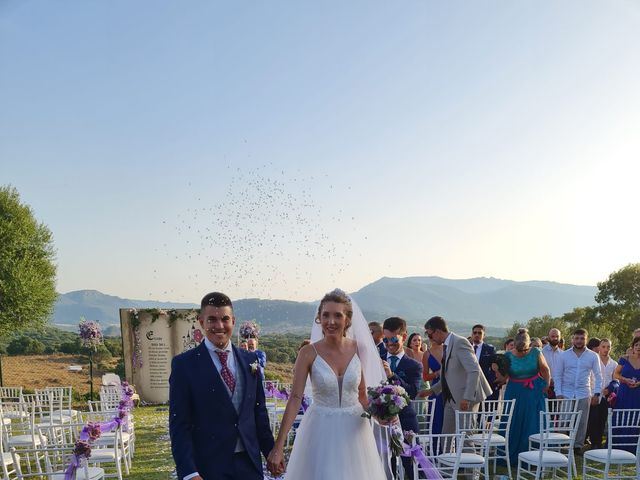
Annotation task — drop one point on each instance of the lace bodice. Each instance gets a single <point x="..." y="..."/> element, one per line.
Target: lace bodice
<point x="332" y="391"/>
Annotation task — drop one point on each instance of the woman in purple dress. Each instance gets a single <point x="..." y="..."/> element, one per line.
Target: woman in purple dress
<point x="628" y="374"/>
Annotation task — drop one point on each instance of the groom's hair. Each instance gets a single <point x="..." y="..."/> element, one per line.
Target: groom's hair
<point x="395" y="324"/>
<point x="215" y="299"/>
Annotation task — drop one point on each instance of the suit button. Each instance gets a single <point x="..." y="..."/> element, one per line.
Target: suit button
<point x="235" y="425"/>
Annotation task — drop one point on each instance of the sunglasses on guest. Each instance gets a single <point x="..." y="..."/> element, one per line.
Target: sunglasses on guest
<point x="391" y="340"/>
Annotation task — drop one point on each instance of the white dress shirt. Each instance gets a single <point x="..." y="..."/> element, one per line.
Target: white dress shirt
<point x="551" y="356"/>
<point x="607" y="371"/>
<point x="399" y="355"/>
<point x="573" y="378"/>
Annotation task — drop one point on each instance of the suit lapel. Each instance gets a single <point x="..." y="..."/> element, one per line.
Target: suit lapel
<point x="449" y="350"/>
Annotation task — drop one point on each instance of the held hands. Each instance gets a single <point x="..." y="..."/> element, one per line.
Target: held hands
<point x="275" y="462"/>
<point x="425" y="393"/>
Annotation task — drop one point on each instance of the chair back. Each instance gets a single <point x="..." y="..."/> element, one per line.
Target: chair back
<point x="478" y="425"/>
<point x="425" y="409"/>
<point x="433" y="446"/>
<point x="50" y="461"/>
<point x="11" y="394"/>
<point x="560" y="421"/>
<point x="623" y="430"/>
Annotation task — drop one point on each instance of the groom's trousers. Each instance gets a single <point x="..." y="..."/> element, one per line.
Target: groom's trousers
<point x="243" y="468"/>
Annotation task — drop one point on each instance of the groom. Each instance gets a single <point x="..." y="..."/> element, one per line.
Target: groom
<point x="404" y="371"/>
<point x="217" y="416"/>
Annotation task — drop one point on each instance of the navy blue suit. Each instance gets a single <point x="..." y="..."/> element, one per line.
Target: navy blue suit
<point x="203" y="423"/>
<point x="408" y="374"/>
<point x="487" y="357"/>
<point x="382" y="350"/>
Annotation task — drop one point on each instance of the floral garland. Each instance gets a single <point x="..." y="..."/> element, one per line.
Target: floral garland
<point x="92" y="432"/>
<point x="271" y="391"/>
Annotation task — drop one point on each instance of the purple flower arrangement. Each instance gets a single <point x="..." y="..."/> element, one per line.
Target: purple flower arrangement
<point x="386" y="401"/>
<point x="249" y="329"/>
<point x="90" y="334"/>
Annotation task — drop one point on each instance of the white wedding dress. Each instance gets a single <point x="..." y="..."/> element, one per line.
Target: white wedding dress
<point x="333" y="440"/>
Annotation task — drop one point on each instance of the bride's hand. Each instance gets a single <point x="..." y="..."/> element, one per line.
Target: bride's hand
<point x="275" y="461"/>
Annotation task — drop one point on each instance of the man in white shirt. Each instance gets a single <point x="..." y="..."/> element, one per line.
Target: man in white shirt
<point x="598" y="413"/>
<point x="551" y="352"/>
<point x="573" y="379"/>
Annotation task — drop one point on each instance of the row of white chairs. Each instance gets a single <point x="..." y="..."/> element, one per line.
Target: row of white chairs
<point x="33" y="424"/>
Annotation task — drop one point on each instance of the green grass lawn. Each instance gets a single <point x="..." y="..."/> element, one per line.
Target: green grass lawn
<point x="153" y="460"/>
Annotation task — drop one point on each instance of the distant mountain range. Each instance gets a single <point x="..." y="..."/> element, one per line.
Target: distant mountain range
<point x="494" y="302"/>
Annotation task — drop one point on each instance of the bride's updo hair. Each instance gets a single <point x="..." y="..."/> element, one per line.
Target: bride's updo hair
<point x="522" y="341"/>
<point x="337" y="296"/>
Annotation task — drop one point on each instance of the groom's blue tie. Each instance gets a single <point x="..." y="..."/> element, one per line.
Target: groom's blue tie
<point x="394" y="363"/>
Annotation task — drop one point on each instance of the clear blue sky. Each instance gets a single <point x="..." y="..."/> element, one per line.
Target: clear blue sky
<point x="279" y="149"/>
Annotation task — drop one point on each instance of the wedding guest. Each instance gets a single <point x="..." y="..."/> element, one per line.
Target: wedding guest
<point x="376" y="332"/>
<point x="628" y="374"/>
<point x="461" y="380"/>
<point x="508" y="345"/>
<point x="551" y="352"/>
<point x="431" y="365"/>
<point x="636" y="333"/>
<point x="598" y="413"/>
<point x="244" y="345"/>
<point x="252" y="344"/>
<point x="414" y="347"/>
<point x="528" y="385"/>
<point x="485" y="353"/>
<point x="573" y="379"/>
<point x="545" y="341"/>
<point x="536" y="342"/>
<point x="594" y="344"/>
<point x="401" y="369"/>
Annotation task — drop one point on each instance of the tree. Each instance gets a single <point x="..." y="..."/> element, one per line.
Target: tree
<point x="619" y="301"/>
<point x="25" y="346"/>
<point x="27" y="269"/>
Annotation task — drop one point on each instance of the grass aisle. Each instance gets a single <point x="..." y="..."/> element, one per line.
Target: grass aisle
<point x="153" y="460"/>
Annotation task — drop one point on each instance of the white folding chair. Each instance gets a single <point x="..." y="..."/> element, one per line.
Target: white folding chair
<point x="499" y="445"/>
<point x="478" y="429"/>
<point x="425" y="409"/>
<point x="442" y="452"/>
<point x="8" y="467"/>
<point x="623" y="449"/>
<point x="536" y="463"/>
<point x="52" y="463"/>
<point x="105" y="450"/>
<point x="124" y="438"/>
<point x="559" y="436"/>
<point x="392" y="465"/>
<point x="64" y="397"/>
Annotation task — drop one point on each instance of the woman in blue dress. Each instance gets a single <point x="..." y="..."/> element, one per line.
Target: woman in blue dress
<point x="628" y="374"/>
<point x="528" y="384"/>
<point x="431" y="365"/>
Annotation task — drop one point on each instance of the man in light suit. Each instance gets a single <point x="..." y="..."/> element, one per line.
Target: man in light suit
<point x="462" y="383"/>
<point x="218" y="421"/>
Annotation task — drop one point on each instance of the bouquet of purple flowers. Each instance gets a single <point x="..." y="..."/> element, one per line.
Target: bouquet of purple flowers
<point x="386" y="401"/>
<point x="249" y="329"/>
<point x="90" y="334"/>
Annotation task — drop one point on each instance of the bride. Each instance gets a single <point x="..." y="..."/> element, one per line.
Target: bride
<point x="333" y="440"/>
